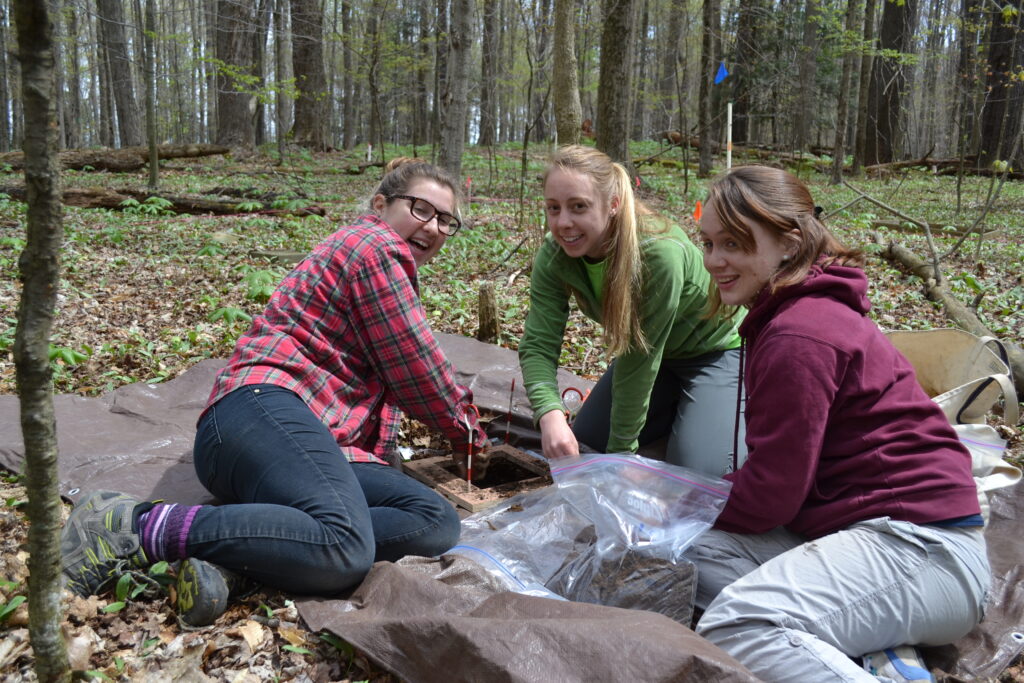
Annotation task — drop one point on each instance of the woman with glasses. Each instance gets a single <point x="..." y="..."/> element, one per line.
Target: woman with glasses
<point x="674" y="372"/>
<point x="297" y="431"/>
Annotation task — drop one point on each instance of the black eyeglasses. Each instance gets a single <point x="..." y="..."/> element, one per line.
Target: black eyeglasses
<point x="422" y="210"/>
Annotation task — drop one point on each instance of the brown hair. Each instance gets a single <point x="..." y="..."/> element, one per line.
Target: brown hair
<point x="780" y="203"/>
<point x="401" y="172"/>
<point x="623" y="281"/>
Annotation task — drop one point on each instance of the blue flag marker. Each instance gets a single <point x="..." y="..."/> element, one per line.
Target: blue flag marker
<point x="722" y="73"/>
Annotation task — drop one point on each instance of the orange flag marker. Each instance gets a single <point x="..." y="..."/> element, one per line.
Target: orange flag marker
<point x="697" y="212"/>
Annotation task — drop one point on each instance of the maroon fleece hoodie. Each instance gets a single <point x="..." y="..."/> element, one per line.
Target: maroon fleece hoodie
<point x="838" y="429"/>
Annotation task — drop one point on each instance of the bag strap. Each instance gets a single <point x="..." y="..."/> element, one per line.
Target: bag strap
<point x="1000" y="349"/>
<point x="1011" y="410"/>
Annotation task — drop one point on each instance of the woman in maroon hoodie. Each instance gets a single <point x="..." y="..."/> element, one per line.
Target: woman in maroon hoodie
<point x="853" y="529"/>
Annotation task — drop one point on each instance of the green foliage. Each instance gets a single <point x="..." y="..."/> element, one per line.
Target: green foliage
<point x="289" y="204"/>
<point x="252" y="84"/>
<point x="152" y="206"/>
<point x="10" y="607"/>
<point x="211" y="249"/>
<point x="260" y="283"/>
<point x="230" y="315"/>
<point x="65" y="356"/>
<point x="7" y="332"/>
<point x="337" y="643"/>
<point x="249" y="206"/>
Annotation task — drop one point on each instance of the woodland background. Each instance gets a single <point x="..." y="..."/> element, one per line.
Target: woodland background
<point x="876" y="80"/>
<point x="294" y="106"/>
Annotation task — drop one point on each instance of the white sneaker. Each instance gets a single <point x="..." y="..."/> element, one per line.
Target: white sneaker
<point x="902" y="663"/>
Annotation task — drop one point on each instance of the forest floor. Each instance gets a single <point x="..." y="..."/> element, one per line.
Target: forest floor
<point x="146" y="295"/>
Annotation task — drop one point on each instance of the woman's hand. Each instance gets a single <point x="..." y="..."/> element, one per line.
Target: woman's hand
<point x="556" y="437"/>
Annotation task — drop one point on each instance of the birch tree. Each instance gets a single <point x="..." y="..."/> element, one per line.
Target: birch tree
<point x="39" y="269"/>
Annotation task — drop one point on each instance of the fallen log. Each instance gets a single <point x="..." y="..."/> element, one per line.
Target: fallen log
<point x="105" y="198"/>
<point x="936" y="228"/>
<point x="955" y="310"/>
<point x="124" y="159"/>
<point x="941" y="167"/>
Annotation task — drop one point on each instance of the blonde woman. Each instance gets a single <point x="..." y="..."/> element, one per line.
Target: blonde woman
<point x="674" y="370"/>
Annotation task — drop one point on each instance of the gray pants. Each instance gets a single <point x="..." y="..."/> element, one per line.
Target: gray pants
<point x="795" y="611"/>
<point x="693" y="403"/>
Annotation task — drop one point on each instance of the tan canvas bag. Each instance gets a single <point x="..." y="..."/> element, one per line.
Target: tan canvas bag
<point x="965" y="374"/>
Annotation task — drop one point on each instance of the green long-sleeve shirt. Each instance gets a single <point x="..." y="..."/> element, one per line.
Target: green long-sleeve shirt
<point x="672" y="307"/>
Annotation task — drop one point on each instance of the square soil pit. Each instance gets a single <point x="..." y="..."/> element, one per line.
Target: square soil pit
<point x="510" y="472"/>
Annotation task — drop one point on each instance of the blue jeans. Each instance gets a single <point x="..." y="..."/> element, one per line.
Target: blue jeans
<point x="693" y="403"/>
<point x="297" y="515"/>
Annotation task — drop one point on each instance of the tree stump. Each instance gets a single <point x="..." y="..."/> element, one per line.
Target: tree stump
<point x="487" y="312"/>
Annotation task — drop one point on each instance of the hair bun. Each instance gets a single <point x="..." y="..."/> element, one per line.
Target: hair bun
<point x="401" y="161"/>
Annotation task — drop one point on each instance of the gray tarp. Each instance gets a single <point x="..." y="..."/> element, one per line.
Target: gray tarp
<point x="409" y="618"/>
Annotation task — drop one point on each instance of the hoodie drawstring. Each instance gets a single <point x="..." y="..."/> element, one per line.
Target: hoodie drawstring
<point x="739" y="406"/>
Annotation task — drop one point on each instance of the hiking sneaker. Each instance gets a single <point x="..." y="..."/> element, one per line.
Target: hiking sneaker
<point x="902" y="663"/>
<point x="99" y="541"/>
<point x="204" y="589"/>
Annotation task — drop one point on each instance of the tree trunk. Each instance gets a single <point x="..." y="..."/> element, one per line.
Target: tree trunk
<point x="441" y="51"/>
<point x="234" y="27"/>
<point x="259" y="40"/>
<point x="110" y="16"/>
<point x="1001" y="117"/>
<point x="542" y="21"/>
<point x="969" y="81"/>
<point x="888" y="81"/>
<point x="281" y="125"/>
<point x="568" y="113"/>
<point x="456" y="109"/>
<point x="348" y="140"/>
<point x="640" y="60"/>
<point x="150" y="60"/>
<point x="933" y="130"/>
<point x="39" y="268"/>
<point x="489" y="71"/>
<point x="807" y="70"/>
<point x="707" y="74"/>
<point x="843" y="105"/>
<point x="5" y="87"/>
<point x="744" y="85"/>
<point x="310" y="79"/>
<point x="103" y="93"/>
<point x="372" y="74"/>
<point x="506" y="47"/>
<point x="864" y="83"/>
<point x="615" y="81"/>
<point x="73" y="107"/>
<point x="667" y="80"/>
<point x="421" y="123"/>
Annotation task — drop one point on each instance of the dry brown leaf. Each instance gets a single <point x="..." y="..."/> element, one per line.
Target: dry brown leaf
<point x="84" y="608"/>
<point x="293" y="635"/>
<point x="253" y="632"/>
<point x="81" y="645"/>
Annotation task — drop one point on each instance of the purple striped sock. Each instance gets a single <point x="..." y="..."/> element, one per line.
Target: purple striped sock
<point x="163" y="530"/>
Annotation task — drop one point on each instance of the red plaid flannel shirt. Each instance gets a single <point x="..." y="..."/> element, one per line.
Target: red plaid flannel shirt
<point x="346" y="332"/>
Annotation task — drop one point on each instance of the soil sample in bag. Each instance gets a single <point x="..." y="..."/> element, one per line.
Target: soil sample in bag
<point x="632" y="578"/>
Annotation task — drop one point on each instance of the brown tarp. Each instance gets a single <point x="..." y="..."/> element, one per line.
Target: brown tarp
<point x="433" y="620"/>
<point x="138" y="439"/>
